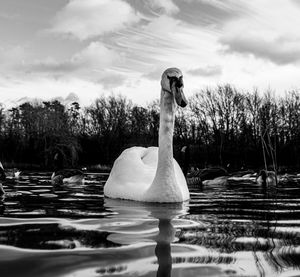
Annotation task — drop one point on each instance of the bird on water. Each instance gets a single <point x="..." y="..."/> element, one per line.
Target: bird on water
<point x="63" y="175"/>
<point x="2" y="178"/>
<point x="152" y="174"/>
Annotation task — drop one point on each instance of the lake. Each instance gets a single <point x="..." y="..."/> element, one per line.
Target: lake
<point x="237" y="229"/>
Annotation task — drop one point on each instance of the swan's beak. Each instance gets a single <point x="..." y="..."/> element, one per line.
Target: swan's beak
<point x="180" y="97"/>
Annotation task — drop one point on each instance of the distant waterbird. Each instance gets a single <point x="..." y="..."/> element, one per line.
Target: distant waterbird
<point x="207" y="176"/>
<point x="2" y="178"/>
<point x="67" y="176"/>
<point x="62" y="175"/>
<point x="13" y="173"/>
<point x="266" y="177"/>
<point x="152" y="174"/>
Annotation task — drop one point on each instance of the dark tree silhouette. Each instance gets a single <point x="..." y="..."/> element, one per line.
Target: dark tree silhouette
<point x="222" y="126"/>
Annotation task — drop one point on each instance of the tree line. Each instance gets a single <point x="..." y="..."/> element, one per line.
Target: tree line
<point x="221" y="125"/>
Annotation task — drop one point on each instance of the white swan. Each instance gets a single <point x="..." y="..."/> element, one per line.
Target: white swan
<point x="152" y="174"/>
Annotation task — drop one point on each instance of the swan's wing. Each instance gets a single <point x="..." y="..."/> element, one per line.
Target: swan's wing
<point x="132" y="173"/>
<point x="150" y="156"/>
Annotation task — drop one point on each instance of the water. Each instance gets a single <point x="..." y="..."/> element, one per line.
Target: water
<point x="238" y="229"/>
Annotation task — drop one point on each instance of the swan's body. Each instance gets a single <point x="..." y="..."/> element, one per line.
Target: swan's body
<point x="133" y="174"/>
<point x="151" y="174"/>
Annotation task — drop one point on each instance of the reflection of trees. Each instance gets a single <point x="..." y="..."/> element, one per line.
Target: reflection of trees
<point x="256" y="227"/>
<point x="52" y="236"/>
<point x="2" y="206"/>
<point x="157" y="228"/>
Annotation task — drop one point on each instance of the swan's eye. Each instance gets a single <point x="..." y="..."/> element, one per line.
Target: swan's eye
<point x="178" y="81"/>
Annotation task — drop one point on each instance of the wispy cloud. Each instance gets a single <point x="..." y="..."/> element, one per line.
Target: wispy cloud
<point x="11" y="57"/>
<point x="94" y="57"/>
<point x="263" y="34"/>
<point x="9" y="16"/>
<point x="91" y="18"/>
<point x="213" y="14"/>
<point x="110" y="80"/>
<point x="206" y="71"/>
<point x="278" y="50"/>
<point x="162" y="7"/>
<point x="124" y="45"/>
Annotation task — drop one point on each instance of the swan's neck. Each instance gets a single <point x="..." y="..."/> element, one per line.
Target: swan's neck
<point x="164" y="187"/>
<point x="165" y="164"/>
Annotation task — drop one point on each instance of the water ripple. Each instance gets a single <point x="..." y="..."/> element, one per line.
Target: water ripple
<point x="239" y="229"/>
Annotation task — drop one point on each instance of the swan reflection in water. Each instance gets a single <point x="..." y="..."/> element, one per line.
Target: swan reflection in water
<point x="128" y="231"/>
<point x="140" y="223"/>
<point x="138" y="240"/>
<point x="163" y="237"/>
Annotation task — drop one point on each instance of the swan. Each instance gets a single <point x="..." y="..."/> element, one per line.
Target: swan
<point x="221" y="180"/>
<point x="266" y="178"/>
<point x="207" y="176"/>
<point x="2" y="178"/>
<point x="60" y="175"/>
<point x="152" y="174"/>
<point x="67" y="176"/>
<point x="13" y="173"/>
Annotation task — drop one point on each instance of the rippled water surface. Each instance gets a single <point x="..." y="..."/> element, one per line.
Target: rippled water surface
<point x="237" y="229"/>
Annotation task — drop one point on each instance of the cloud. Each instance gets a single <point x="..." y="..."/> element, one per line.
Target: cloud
<point x="93" y="63"/>
<point x="91" y="18"/>
<point x="47" y="88"/>
<point x="69" y="99"/>
<point x="111" y="80"/>
<point x="213" y="13"/>
<point x="206" y="71"/>
<point x="95" y="56"/>
<point x="277" y="50"/>
<point x="264" y="33"/>
<point x="72" y="97"/>
<point x="50" y="65"/>
<point x="296" y="3"/>
<point x="125" y="45"/>
<point x="154" y="74"/>
<point x="9" y="16"/>
<point x="166" y="6"/>
<point x="11" y="56"/>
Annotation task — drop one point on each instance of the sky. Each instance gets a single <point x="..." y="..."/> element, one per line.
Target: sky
<point x="91" y="48"/>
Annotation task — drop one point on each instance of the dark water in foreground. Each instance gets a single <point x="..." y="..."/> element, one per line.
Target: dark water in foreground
<point x="238" y="229"/>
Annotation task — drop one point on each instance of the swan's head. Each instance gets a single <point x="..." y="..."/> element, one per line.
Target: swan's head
<point x="172" y="82"/>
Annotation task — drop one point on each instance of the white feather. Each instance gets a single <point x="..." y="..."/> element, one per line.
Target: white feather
<point x="151" y="174"/>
